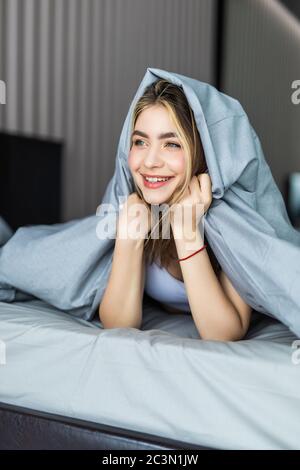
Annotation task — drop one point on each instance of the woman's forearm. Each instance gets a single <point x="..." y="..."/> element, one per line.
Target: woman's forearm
<point x="214" y="315"/>
<point x="121" y="305"/>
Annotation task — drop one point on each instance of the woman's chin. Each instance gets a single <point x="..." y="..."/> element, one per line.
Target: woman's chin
<point x="155" y="198"/>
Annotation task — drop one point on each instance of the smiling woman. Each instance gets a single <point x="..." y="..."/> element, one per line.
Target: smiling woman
<point x="156" y="148"/>
<point x="165" y="143"/>
<point x="168" y="167"/>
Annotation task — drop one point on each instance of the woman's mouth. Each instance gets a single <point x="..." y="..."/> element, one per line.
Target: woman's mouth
<point x="154" y="183"/>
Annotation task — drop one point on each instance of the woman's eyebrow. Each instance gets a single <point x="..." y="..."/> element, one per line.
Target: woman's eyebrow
<point x="166" y="135"/>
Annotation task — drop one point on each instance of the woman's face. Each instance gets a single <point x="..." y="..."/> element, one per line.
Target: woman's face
<point x="154" y="154"/>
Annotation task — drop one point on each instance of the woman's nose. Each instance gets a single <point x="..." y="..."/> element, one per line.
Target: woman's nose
<point x="153" y="158"/>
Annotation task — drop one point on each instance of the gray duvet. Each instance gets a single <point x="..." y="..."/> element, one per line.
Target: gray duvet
<point x="67" y="265"/>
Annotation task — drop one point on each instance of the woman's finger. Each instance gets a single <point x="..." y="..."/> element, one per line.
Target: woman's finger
<point x="205" y="185"/>
<point x="194" y="185"/>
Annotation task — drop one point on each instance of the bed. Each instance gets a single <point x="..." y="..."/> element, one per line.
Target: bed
<point x="67" y="383"/>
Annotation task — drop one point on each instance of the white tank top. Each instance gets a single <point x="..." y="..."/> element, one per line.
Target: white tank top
<point x="162" y="286"/>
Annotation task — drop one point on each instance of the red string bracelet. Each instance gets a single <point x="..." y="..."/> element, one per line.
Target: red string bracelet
<point x="202" y="248"/>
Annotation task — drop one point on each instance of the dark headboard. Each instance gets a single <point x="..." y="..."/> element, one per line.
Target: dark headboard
<point x="30" y="180"/>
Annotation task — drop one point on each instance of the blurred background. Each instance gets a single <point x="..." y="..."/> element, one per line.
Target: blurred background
<point x="72" y="67"/>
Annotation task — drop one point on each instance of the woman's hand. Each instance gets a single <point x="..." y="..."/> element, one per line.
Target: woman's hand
<point x="134" y="221"/>
<point x="195" y="202"/>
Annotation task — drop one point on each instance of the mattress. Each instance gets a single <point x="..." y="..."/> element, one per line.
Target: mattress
<point x="162" y="379"/>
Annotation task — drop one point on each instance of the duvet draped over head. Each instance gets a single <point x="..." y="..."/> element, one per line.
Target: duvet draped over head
<point x="247" y="226"/>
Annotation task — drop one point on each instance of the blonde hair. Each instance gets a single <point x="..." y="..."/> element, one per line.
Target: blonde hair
<point x="173" y="99"/>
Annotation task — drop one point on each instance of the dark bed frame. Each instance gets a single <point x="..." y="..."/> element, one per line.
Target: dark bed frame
<point x="27" y="429"/>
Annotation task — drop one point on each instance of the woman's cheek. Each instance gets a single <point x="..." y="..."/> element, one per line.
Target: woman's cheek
<point x="133" y="162"/>
<point x="178" y="164"/>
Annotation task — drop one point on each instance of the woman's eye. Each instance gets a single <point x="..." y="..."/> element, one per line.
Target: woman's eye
<point x="173" y="143"/>
<point x="136" y="142"/>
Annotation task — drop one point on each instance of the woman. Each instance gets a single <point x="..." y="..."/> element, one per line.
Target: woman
<point x="166" y="144"/>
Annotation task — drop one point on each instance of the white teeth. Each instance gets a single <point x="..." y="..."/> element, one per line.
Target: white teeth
<point x="155" y="180"/>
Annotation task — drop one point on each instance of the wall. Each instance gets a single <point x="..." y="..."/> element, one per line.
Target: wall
<point x="72" y="67"/>
<point x="260" y="60"/>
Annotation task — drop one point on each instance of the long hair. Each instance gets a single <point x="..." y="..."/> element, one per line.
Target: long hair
<point x="175" y="102"/>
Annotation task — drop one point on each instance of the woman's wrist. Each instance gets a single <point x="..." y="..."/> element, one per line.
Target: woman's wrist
<point x="187" y="241"/>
